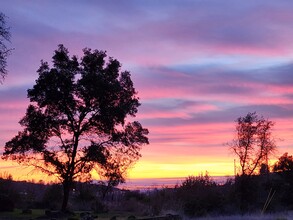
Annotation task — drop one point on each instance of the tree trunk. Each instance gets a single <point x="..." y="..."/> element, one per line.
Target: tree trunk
<point x="66" y="190"/>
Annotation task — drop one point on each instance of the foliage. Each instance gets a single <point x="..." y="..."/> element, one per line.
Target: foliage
<point x="6" y="176"/>
<point x="199" y="195"/>
<point x="264" y="169"/>
<point x="285" y="163"/>
<point x="197" y="182"/>
<point x="284" y="169"/>
<point x="4" y="51"/>
<point x="253" y="143"/>
<point x="200" y="198"/>
<point x="79" y="120"/>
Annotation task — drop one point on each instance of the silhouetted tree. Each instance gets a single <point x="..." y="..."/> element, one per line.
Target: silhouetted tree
<point x="284" y="167"/>
<point x="79" y="120"/>
<point x="114" y="175"/>
<point x="253" y="143"/>
<point x="264" y="169"/>
<point x="200" y="181"/>
<point x="4" y="51"/>
<point x="199" y="195"/>
<point x="285" y="163"/>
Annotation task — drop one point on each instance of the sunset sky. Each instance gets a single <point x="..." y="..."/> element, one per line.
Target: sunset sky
<point x="197" y="66"/>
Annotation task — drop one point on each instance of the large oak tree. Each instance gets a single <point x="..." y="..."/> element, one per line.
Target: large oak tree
<point x="79" y="120"/>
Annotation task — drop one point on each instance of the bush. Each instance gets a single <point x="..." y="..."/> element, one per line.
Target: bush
<point x="200" y="195"/>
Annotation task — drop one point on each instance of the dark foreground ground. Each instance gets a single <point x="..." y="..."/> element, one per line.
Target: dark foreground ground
<point x="42" y="215"/>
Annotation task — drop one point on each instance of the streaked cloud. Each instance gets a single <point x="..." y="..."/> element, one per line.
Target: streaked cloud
<point x="197" y="66"/>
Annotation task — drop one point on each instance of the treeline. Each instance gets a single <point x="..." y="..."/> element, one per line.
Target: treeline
<point x="272" y="192"/>
<point x="201" y="196"/>
<point x="195" y="196"/>
<point x="29" y="195"/>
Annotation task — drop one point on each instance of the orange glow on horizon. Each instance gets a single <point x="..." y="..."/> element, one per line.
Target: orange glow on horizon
<point x="142" y="170"/>
<point x="195" y="150"/>
<point x="164" y="170"/>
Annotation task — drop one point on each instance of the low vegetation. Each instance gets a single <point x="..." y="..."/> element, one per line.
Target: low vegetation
<point x="262" y="196"/>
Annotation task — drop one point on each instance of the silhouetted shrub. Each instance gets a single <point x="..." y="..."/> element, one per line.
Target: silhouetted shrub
<point x="200" y="195"/>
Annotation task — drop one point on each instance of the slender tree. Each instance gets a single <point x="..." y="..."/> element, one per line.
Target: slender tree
<point x="79" y="120"/>
<point x="4" y="51"/>
<point x="253" y="143"/>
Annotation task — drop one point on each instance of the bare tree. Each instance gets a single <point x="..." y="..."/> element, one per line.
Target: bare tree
<point x="253" y="143"/>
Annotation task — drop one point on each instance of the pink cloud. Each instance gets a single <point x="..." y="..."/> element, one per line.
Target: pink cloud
<point x="188" y="105"/>
<point x="184" y="113"/>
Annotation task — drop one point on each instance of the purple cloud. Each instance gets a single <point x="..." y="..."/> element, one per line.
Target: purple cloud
<point x="197" y="65"/>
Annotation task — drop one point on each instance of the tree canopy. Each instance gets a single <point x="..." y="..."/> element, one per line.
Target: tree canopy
<point x="79" y="120"/>
<point x="285" y="163"/>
